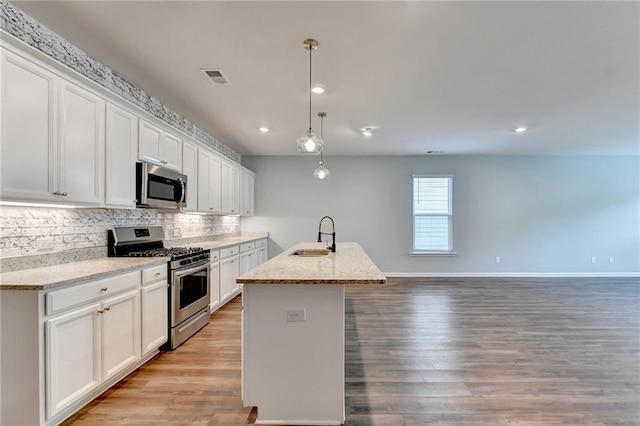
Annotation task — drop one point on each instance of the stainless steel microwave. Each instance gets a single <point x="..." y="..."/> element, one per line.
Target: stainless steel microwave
<point x="157" y="187"/>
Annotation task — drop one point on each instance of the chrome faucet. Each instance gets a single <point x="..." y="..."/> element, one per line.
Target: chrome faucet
<point x="333" y="233"/>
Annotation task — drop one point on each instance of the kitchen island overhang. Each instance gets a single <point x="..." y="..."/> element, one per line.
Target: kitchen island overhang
<point x="293" y="323"/>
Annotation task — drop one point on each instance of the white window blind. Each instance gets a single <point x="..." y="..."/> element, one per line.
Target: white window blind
<point x="432" y="213"/>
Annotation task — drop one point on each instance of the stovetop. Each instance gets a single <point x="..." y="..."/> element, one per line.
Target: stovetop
<point x="174" y="252"/>
<point x="148" y="241"/>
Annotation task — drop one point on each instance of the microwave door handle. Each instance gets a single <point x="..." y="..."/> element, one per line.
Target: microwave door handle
<point x="182" y="193"/>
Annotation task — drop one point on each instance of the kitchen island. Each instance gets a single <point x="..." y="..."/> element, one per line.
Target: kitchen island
<point x="293" y="332"/>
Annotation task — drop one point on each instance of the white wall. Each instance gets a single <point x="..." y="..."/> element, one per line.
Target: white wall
<point x="539" y="214"/>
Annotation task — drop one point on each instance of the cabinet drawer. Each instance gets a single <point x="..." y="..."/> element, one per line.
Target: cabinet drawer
<point x="229" y="251"/>
<point x="155" y="274"/>
<point x="261" y="243"/>
<point x="247" y="246"/>
<point x="215" y="255"/>
<point x="59" y="300"/>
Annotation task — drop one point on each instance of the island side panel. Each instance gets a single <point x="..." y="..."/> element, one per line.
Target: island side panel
<point x="294" y="371"/>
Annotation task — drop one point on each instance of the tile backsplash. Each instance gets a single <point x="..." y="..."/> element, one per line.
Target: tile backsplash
<point x="72" y="229"/>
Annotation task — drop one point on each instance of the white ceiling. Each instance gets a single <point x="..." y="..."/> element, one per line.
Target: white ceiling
<point x="454" y="77"/>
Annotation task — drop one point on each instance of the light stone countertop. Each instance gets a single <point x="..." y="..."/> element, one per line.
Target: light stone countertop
<point x="348" y="265"/>
<point x="74" y="273"/>
<point x="50" y="277"/>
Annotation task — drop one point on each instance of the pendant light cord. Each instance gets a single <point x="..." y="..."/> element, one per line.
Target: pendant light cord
<point x="321" y="134"/>
<point x="310" y="50"/>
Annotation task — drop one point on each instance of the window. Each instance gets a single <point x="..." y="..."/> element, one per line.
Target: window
<point x="432" y="214"/>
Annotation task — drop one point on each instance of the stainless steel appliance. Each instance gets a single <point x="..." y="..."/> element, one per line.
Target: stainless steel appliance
<point x="157" y="187"/>
<point x="188" y="272"/>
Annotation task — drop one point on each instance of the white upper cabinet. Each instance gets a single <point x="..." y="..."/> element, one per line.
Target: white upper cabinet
<point x="230" y="189"/>
<point x="246" y="193"/>
<point x="29" y="138"/>
<point x="81" y="145"/>
<point x="159" y="147"/>
<point x="122" y="151"/>
<point x="190" y="168"/>
<point x="208" y="183"/>
<point x="52" y="136"/>
<point x="61" y="142"/>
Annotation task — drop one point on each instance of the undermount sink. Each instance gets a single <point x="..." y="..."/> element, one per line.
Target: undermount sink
<point x="310" y="252"/>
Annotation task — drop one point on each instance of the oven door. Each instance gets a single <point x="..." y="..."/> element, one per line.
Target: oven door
<point x="189" y="292"/>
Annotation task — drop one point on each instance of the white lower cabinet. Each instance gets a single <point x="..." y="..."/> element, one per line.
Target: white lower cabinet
<point x="229" y="271"/>
<point x="120" y="317"/>
<point x="247" y="258"/>
<point x="214" y="281"/>
<point x="65" y="346"/>
<point x="91" y="344"/>
<point x="72" y="357"/>
<point x="155" y="308"/>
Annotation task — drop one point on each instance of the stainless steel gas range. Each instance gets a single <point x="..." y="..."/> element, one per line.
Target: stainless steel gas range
<point x="188" y="271"/>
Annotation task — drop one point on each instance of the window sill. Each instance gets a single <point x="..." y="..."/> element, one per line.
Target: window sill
<point x="432" y="253"/>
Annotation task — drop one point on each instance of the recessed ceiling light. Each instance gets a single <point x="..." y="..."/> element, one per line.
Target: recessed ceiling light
<point x="520" y="129"/>
<point x="317" y="89"/>
<point x="367" y="131"/>
<point x="264" y="129"/>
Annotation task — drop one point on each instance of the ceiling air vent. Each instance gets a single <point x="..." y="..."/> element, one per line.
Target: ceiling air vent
<point x="217" y="77"/>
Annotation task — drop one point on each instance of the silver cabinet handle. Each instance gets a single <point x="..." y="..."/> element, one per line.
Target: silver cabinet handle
<point x="101" y="311"/>
<point x="158" y="274"/>
<point x="103" y="289"/>
<point x="107" y="309"/>
<point x="64" y="194"/>
<point x="163" y="161"/>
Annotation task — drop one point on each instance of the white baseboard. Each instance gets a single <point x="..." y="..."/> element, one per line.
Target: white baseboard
<point x="512" y="274"/>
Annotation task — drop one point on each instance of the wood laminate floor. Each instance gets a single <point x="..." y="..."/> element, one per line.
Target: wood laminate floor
<point x="425" y="352"/>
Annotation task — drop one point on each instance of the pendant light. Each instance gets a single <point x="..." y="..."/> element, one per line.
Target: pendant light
<point x="321" y="172"/>
<point x="309" y="143"/>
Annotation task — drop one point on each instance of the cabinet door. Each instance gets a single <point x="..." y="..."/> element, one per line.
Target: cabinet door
<point x="208" y="183"/>
<point x="247" y="261"/>
<point x="81" y="145"/>
<point x="190" y="168"/>
<point x="155" y="320"/>
<point x="120" y="332"/>
<point x="121" y="148"/>
<point x="72" y="357"/>
<point x="149" y="139"/>
<point x="171" y="152"/>
<point x="214" y="288"/>
<point x="246" y="193"/>
<point x="229" y="270"/>
<point x="28" y="98"/>
<point x="261" y="255"/>
<point x="230" y="189"/>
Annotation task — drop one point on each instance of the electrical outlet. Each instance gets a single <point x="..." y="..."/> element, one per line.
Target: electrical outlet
<point x="44" y="243"/>
<point x="296" y="315"/>
<point x="497" y="259"/>
<point x="593" y="259"/>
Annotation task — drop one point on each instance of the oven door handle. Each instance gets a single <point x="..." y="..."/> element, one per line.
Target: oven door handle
<point x="182" y="272"/>
<point x="182" y="192"/>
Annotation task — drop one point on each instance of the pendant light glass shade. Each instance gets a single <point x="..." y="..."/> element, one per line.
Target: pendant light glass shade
<point x="321" y="172"/>
<point x="309" y="143"/>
